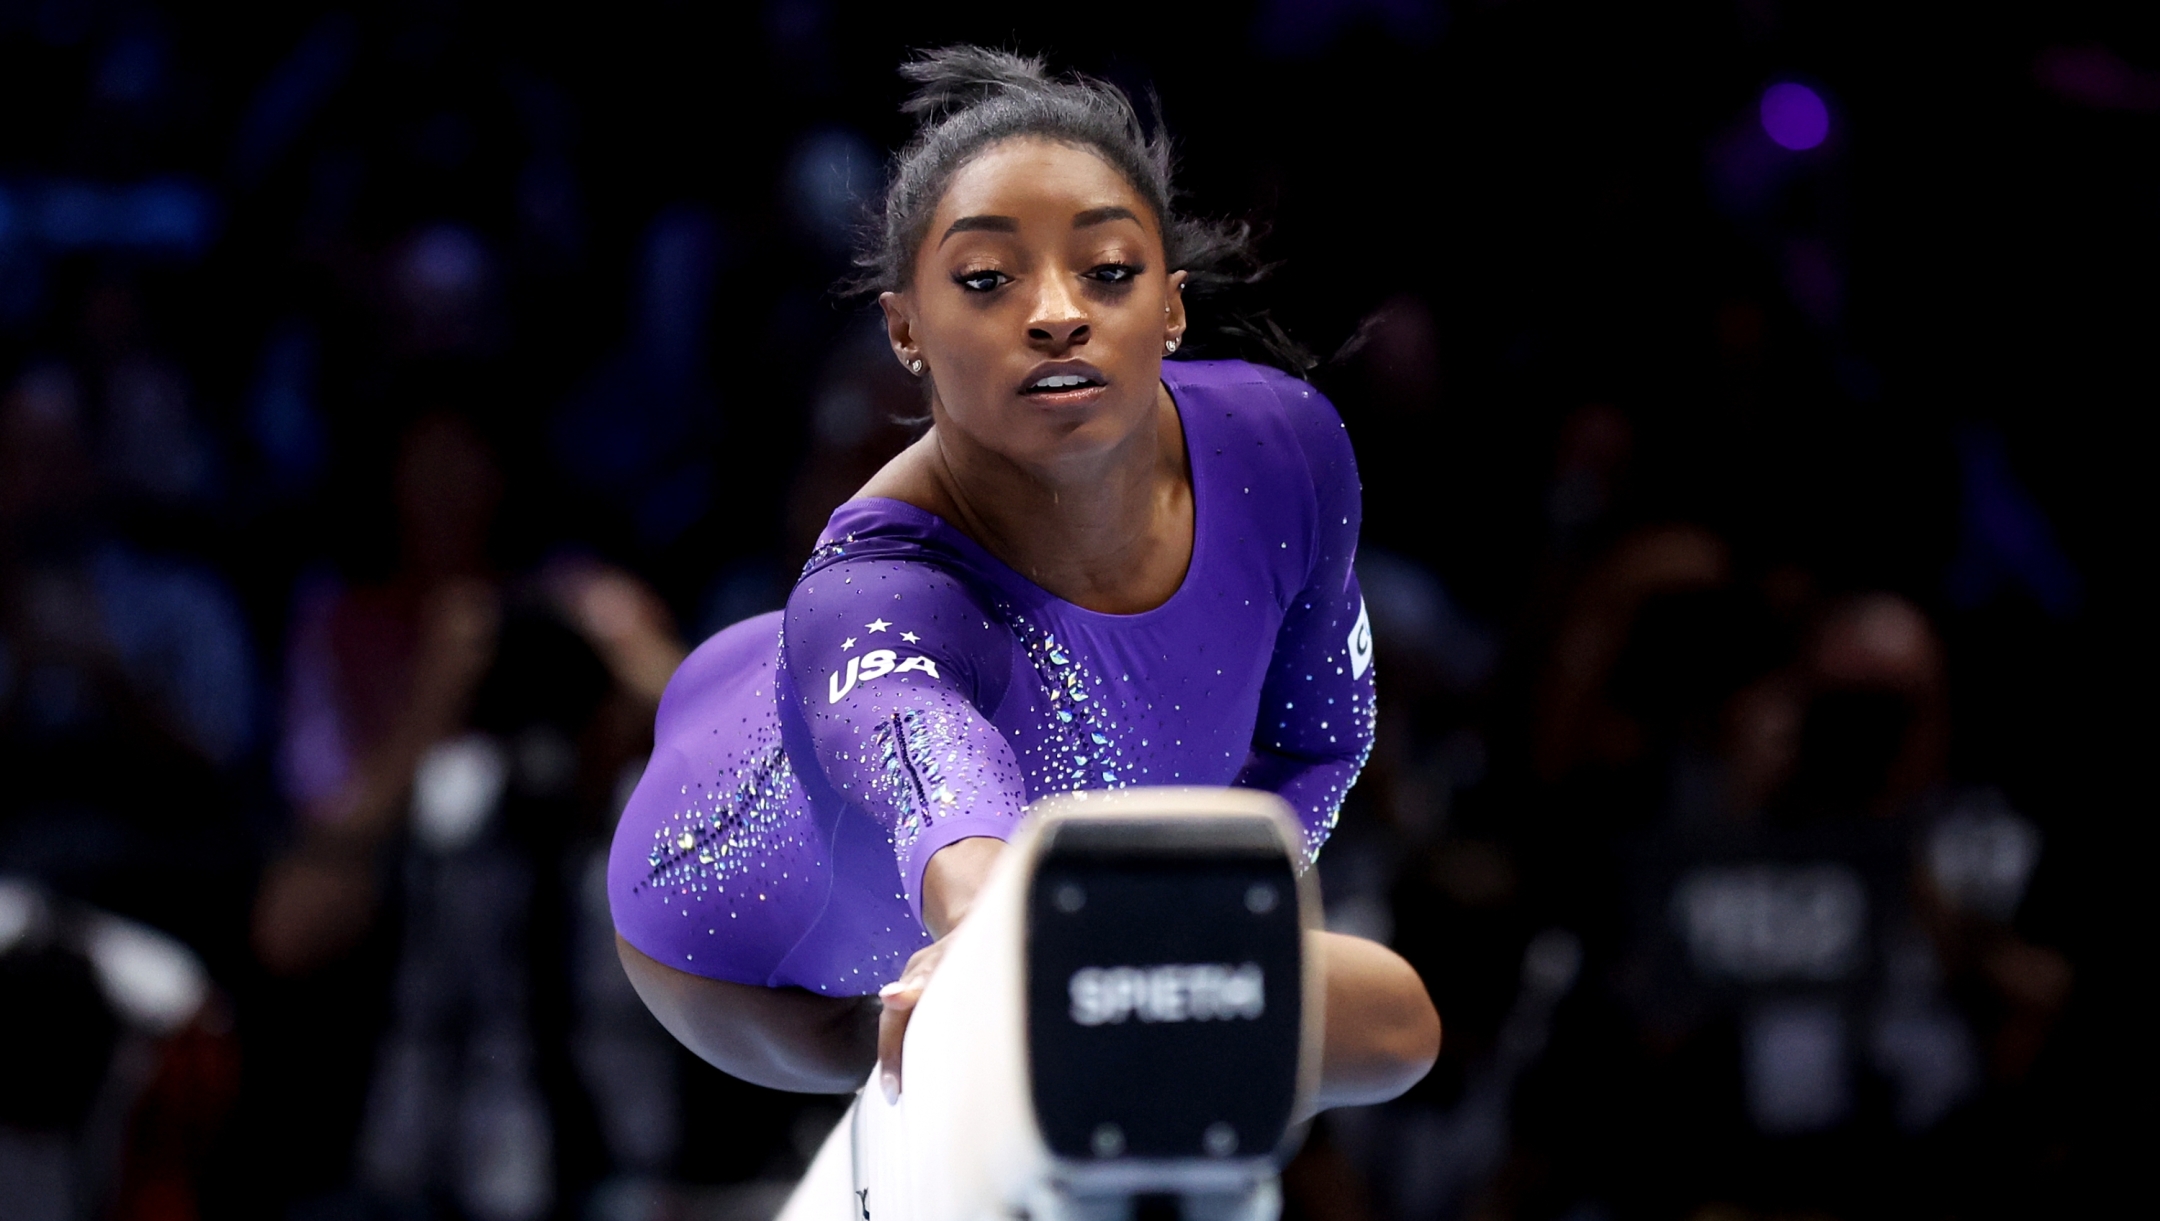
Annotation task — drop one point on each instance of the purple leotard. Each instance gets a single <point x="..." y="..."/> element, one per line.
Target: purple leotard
<point x="916" y="691"/>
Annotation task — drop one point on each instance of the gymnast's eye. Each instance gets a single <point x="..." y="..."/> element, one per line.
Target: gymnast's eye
<point x="981" y="281"/>
<point x="1115" y="273"/>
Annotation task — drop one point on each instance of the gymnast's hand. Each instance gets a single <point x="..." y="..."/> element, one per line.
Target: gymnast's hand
<point x="950" y="883"/>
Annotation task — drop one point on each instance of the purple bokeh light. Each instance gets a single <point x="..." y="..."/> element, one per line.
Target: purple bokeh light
<point x="1795" y="116"/>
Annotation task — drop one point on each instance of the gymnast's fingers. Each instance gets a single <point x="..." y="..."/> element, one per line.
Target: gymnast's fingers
<point x="899" y="1001"/>
<point x="900" y="996"/>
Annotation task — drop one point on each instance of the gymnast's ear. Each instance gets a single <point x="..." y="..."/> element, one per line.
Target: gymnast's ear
<point x="900" y="332"/>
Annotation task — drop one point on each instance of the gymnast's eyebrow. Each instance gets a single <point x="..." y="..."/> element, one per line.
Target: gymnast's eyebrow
<point x="981" y="224"/>
<point x="1098" y="216"/>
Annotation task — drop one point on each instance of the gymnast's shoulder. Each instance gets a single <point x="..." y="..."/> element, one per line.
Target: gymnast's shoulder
<point x="1262" y="398"/>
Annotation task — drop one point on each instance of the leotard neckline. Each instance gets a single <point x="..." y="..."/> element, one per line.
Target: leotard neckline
<point x="1018" y="582"/>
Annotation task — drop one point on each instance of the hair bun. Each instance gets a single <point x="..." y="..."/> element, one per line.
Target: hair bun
<point x="954" y="78"/>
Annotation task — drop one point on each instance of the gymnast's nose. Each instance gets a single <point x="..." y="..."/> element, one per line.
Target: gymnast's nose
<point x="1060" y="318"/>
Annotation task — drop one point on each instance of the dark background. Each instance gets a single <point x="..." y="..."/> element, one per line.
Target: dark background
<point x="1564" y="290"/>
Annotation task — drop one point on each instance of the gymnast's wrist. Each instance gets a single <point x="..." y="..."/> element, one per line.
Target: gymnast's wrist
<point x="952" y="878"/>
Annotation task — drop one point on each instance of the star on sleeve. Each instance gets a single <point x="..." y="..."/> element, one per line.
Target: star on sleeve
<point x="910" y="637"/>
<point x="877" y="625"/>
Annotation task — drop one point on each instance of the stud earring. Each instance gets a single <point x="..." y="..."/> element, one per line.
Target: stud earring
<point x="915" y="367"/>
<point x="1169" y="346"/>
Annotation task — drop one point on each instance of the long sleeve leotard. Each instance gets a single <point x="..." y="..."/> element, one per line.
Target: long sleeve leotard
<point x="916" y="691"/>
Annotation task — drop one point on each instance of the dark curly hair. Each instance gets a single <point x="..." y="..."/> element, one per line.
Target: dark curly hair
<point x="969" y="98"/>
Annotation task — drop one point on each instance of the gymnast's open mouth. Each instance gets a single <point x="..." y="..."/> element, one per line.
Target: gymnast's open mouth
<point x="1064" y="381"/>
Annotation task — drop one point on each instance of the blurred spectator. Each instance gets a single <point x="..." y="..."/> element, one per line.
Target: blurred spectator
<point x="441" y="293"/>
<point x="375" y="678"/>
<point x="131" y="1068"/>
<point x="455" y="748"/>
<point x="1810" y="1029"/>
<point x="2004" y="539"/>
<point x="1584" y="719"/>
<point x="637" y="432"/>
<point x="154" y="450"/>
<point x="1595" y="444"/>
<point x="123" y="673"/>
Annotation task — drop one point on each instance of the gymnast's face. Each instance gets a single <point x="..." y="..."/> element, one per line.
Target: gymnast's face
<point x="1040" y="305"/>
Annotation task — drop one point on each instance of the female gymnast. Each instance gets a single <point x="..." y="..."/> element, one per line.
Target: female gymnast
<point x="1095" y="569"/>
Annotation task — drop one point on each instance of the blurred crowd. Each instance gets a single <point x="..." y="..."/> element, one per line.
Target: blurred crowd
<point x="389" y="399"/>
<point x="1715" y="926"/>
